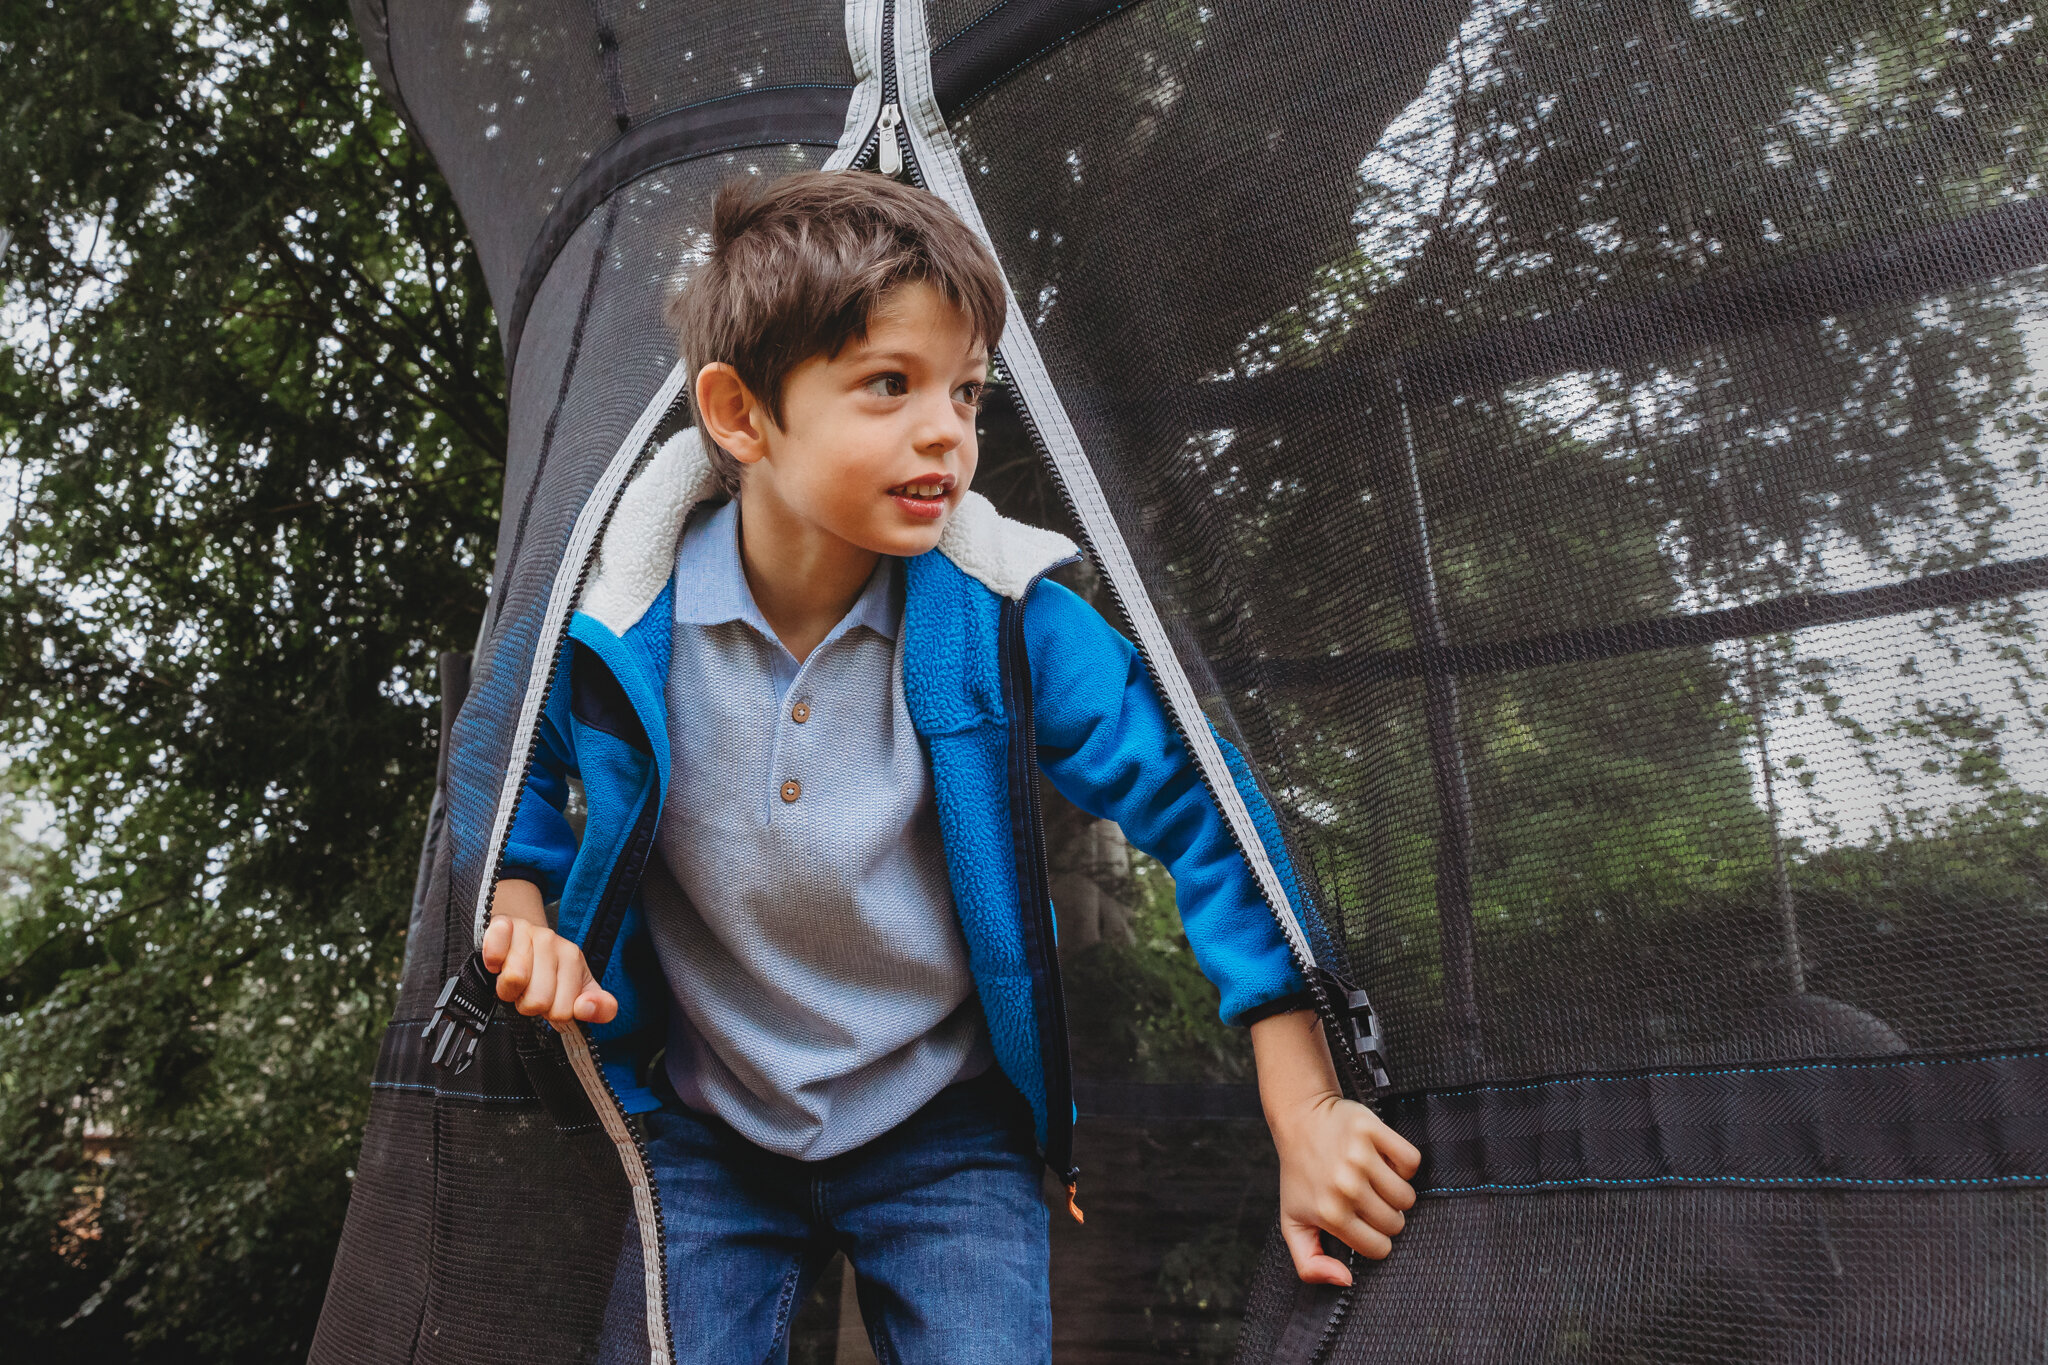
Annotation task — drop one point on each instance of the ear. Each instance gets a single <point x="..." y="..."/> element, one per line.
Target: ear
<point x="733" y="418"/>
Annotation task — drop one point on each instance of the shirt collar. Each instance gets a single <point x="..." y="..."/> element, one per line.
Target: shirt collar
<point x="711" y="586"/>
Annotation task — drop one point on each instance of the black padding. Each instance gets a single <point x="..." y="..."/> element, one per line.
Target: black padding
<point x="497" y="1077"/>
<point x="1881" y="1123"/>
<point x="1007" y="39"/>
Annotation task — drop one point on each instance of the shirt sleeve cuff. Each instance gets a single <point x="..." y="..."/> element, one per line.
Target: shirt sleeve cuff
<point x="1282" y="1004"/>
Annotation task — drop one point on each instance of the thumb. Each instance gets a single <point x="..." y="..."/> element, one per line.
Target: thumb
<point x="1305" y="1245"/>
<point x="497" y="943"/>
<point x="596" y="1005"/>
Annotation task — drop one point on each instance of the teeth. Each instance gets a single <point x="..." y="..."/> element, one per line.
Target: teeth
<point x="921" y="490"/>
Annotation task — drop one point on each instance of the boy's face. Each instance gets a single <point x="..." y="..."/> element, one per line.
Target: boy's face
<point x="876" y="445"/>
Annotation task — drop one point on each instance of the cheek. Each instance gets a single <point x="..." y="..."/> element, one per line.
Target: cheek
<point x="853" y="480"/>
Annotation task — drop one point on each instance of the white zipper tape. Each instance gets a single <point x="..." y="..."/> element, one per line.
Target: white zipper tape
<point x="638" y="1178"/>
<point x="555" y="621"/>
<point x="944" y="174"/>
<point x="864" y="46"/>
<point x="561" y="603"/>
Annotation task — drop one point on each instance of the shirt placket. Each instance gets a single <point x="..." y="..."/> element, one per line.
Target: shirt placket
<point x="788" y="749"/>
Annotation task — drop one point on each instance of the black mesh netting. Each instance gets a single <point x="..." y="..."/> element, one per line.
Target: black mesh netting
<point x="1587" y="456"/>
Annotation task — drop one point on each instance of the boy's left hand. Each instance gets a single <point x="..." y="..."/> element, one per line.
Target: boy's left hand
<point x="1345" y="1172"/>
<point x="1342" y="1169"/>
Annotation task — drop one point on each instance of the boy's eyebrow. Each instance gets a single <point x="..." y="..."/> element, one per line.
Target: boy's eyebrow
<point x="862" y="356"/>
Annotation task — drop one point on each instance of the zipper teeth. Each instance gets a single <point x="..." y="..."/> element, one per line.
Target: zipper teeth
<point x="1338" y="1312"/>
<point x="653" y="1197"/>
<point x="1292" y="929"/>
<point x="889" y="52"/>
<point x="547" y="688"/>
<point x="1059" y="1125"/>
<point x="1341" y="1042"/>
<point x="871" y="144"/>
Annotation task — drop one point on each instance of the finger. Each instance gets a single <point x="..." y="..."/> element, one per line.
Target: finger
<point x="540" y="991"/>
<point x="1361" y="1236"/>
<point x="1377" y="1213"/>
<point x="596" y="1005"/>
<point x="1311" y="1264"/>
<point x="1397" y="1192"/>
<point x="518" y="968"/>
<point x="569" y="979"/>
<point x="1404" y="1156"/>
<point x="497" y="941"/>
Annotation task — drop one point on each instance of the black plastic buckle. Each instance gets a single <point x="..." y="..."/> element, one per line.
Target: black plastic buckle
<point x="461" y="1014"/>
<point x="1361" y="1028"/>
<point x="1364" y="1027"/>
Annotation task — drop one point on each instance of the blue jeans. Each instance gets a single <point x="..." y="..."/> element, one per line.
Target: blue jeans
<point x="941" y="1218"/>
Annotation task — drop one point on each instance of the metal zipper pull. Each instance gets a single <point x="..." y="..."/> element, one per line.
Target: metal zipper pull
<point x="889" y="154"/>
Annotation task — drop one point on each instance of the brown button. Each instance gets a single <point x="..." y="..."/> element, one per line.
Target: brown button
<point x="800" y="713"/>
<point x="792" y="789"/>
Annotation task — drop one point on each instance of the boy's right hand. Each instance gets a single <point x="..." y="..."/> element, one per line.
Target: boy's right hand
<point x="540" y="972"/>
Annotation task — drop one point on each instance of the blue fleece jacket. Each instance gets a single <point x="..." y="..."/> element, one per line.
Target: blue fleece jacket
<point x="1100" y="735"/>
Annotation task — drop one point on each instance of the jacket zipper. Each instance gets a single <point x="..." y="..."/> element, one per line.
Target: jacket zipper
<point x="895" y="153"/>
<point x="886" y="139"/>
<point x="1035" y="891"/>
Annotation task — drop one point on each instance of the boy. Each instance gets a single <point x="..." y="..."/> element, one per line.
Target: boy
<point x="801" y="718"/>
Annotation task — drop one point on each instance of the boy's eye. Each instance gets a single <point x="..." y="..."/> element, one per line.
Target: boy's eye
<point x="888" y="386"/>
<point x="970" y="393"/>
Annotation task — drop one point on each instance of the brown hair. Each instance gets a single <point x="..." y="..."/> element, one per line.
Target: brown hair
<point x="798" y="266"/>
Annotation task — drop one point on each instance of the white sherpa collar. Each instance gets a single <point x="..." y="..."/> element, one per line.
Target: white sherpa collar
<point x="1004" y="556"/>
<point x="639" y="548"/>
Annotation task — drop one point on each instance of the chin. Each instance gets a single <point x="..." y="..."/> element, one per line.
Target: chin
<point x="907" y="542"/>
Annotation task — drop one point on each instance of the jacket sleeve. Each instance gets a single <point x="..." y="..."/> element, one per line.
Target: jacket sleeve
<point x="1106" y="743"/>
<point x="542" y="846"/>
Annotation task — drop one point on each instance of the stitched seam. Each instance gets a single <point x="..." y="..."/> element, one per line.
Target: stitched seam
<point x="746" y="144"/>
<point x="547" y="437"/>
<point x="783" y="1304"/>
<point x="739" y="94"/>
<point x="453" y="1094"/>
<point x="1727" y="1071"/>
<point x="1778" y="1181"/>
<point x="975" y="22"/>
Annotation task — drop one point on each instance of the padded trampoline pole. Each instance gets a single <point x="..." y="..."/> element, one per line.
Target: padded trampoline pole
<point x="1446" y="761"/>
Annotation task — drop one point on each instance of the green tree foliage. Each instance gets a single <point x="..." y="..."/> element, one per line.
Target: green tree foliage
<point x="251" y="432"/>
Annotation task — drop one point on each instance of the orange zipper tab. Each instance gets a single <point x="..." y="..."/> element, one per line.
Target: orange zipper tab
<point x="1073" y="1207"/>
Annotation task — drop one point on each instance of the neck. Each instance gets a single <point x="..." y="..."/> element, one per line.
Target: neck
<point x="804" y="579"/>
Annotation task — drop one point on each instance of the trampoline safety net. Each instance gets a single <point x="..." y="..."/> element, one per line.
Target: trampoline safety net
<point x="1586" y="455"/>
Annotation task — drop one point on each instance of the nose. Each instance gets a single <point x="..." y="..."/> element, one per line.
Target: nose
<point x="940" y="429"/>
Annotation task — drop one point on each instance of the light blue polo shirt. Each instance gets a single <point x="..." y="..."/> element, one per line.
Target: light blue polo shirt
<point x="799" y="904"/>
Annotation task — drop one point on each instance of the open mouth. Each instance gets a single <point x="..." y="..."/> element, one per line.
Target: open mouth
<point x="923" y="497"/>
